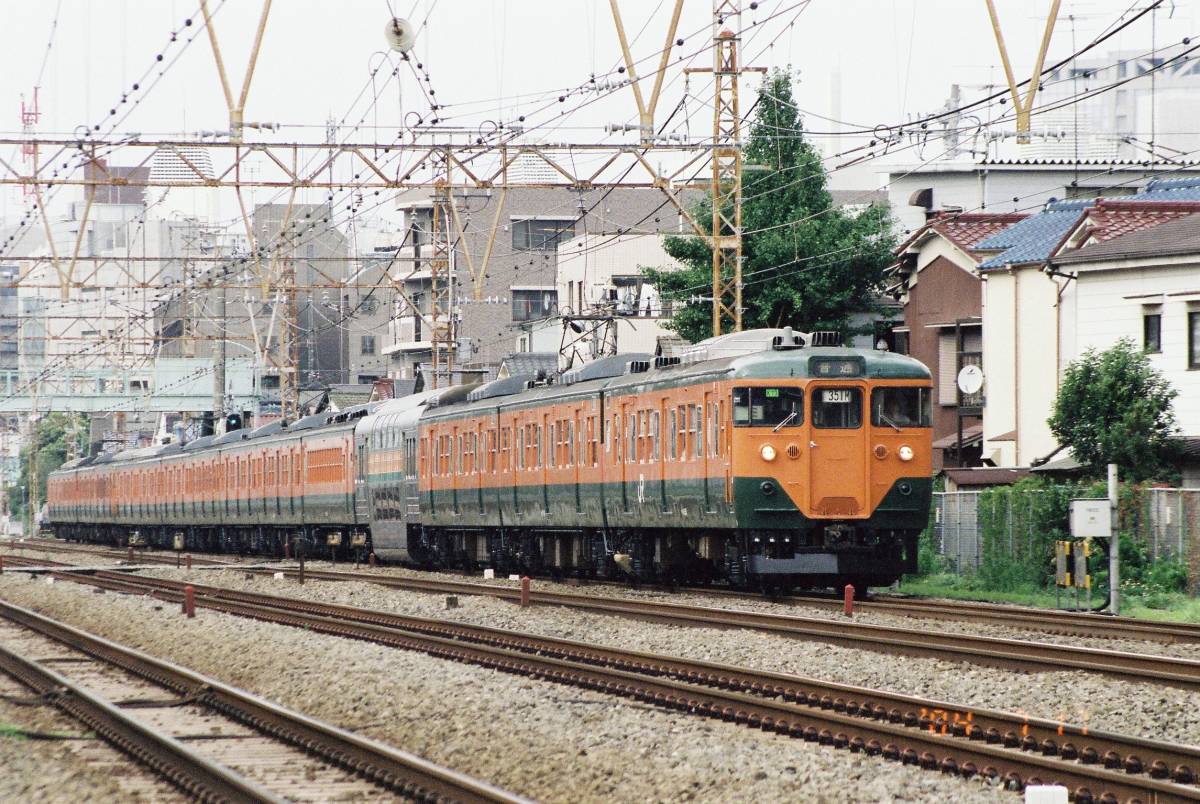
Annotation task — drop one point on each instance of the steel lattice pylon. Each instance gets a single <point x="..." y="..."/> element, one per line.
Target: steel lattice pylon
<point x="441" y="301"/>
<point x="726" y="173"/>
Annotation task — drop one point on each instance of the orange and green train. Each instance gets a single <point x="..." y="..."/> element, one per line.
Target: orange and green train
<point x="756" y="458"/>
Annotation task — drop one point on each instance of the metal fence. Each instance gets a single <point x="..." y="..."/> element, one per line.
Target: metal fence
<point x="1167" y="522"/>
<point x="1171" y="523"/>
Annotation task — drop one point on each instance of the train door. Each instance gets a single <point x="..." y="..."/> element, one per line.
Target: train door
<point x="361" y="502"/>
<point x="576" y="446"/>
<point x="412" y="493"/>
<point x="456" y="480"/>
<point x="714" y="481"/>
<point x="626" y="436"/>
<point x="664" y="440"/>
<point x="545" y="457"/>
<point x="485" y="457"/>
<point x="837" y="451"/>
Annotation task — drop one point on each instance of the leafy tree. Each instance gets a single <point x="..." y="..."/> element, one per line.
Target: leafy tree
<point x="1114" y="407"/>
<point x="806" y="264"/>
<point x="51" y="445"/>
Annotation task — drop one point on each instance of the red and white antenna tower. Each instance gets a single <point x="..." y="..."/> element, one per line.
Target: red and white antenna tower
<point x="29" y="119"/>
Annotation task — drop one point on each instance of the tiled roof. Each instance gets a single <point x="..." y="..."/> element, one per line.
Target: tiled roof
<point x="1112" y="218"/>
<point x="1179" y="236"/>
<point x="1035" y="238"/>
<point x="986" y="476"/>
<point x="342" y="396"/>
<point x="531" y="363"/>
<point x="1169" y="190"/>
<point x="965" y="229"/>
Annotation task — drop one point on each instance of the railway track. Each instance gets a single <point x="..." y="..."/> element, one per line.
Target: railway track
<point x="1013" y="654"/>
<point x="141" y="555"/>
<point x="1067" y="623"/>
<point x="1010" y="654"/>
<point x="211" y="741"/>
<point x="1095" y="766"/>
<point x="1063" y="623"/>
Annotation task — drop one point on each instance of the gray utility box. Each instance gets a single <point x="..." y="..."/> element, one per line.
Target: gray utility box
<point x="1091" y="519"/>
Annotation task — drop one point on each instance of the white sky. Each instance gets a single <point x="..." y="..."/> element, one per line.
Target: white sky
<point x="896" y="59"/>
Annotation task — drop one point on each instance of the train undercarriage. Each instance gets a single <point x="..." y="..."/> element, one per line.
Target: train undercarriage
<point x="774" y="562"/>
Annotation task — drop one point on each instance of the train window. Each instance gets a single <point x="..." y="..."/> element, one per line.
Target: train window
<point x="723" y="417"/>
<point x="671" y="433"/>
<point x="520" y="448"/>
<point x="631" y="424"/>
<point x="768" y="407"/>
<point x="654" y="435"/>
<point x="835" y="408"/>
<point x="681" y="433"/>
<point x="698" y="430"/>
<point x="714" y="447"/>
<point x="901" y="407"/>
<point x="594" y="427"/>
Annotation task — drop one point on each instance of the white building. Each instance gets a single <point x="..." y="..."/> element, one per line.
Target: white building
<point x="604" y="299"/>
<point x="1144" y="286"/>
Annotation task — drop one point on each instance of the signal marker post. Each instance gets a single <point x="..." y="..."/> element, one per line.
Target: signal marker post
<point x="1114" y="545"/>
<point x="1093" y="519"/>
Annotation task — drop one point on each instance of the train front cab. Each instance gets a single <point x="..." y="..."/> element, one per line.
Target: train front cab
<point x="832" y="478"/>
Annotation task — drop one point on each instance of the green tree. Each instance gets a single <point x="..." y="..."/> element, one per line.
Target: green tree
<point x="1114" y="407"/>
<point x="51" y="444"/>
<point x="806" y="264"/>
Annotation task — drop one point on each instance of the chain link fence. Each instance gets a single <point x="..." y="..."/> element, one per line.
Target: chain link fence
<point x="1167" y="521"/>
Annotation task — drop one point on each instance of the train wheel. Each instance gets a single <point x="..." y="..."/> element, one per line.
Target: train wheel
<point x="776" y="588"/>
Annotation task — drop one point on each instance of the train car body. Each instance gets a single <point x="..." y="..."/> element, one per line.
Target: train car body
<point x="240" y="492"/>
<point x="757" y="459"/>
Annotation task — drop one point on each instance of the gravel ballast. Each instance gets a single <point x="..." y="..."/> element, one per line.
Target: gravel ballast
<point x="1099" y="702"/>
<point x="1184" y="650"/>
<point x="542" y="740"/>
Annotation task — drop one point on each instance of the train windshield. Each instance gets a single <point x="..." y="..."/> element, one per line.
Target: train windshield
<point x="901" y="407"/>
<point x="768" y="407"/>
<point x="837" y="408"/>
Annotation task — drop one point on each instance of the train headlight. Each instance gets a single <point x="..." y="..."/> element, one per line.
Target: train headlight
<point x="905" y="452"/>
<point x="767" y="452"/>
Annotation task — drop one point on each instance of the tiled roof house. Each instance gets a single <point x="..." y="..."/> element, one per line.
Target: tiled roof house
<point x="1028" y="339"/>
<point x="935" y="278"/>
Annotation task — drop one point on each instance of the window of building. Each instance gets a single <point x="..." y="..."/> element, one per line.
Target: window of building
<point x="1152" y="332"/>
<point x="540" y="235"/>
<point x="367" y="379"/>
<point x="530" y="304"/>
<point x="1194" y="339"/>
<point x="834" y="408"/>
<point x="900" y="342"/>
<point x="368" y="344"/>
<point x="270" y="382"/>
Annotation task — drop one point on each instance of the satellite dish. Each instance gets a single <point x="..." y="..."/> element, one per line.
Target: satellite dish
<point x="970" y="379"/>
<point x="400" y="34"/>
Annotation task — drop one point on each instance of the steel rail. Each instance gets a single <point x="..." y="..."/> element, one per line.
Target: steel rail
<point x="1058" y="622"/>
<point x="1011" y="654"/>
<point x="1181" y="763"/>
<point x="1063" y="623"/>
<point x="406" y="774"/>
<point x="965" y="750"/>
<point x="194" y="774"/>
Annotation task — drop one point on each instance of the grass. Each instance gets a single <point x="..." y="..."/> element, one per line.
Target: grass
<point x="1178" y="608"/>
<point x="8" y="731"/>
<point x="1163" y="607"/>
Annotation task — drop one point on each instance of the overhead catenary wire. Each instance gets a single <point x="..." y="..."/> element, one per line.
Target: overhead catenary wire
<point x="660" y="208"/>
